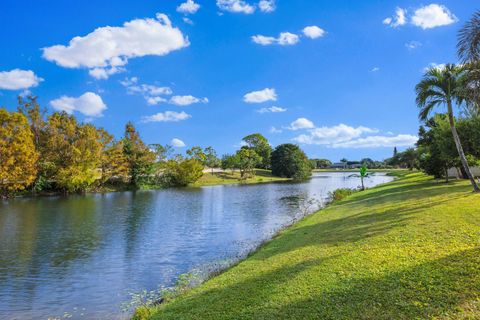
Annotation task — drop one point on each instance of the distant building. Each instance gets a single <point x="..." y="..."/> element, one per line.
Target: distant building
<point x="339" y="165"/>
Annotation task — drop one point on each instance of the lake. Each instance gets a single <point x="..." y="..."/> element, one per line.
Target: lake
<point x="81" y="256"/>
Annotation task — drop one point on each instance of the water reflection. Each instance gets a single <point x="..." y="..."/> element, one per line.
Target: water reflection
<point x="84" y="254"/>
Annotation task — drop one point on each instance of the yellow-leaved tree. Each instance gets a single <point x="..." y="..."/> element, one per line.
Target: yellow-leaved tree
<point x="18" y="155"/>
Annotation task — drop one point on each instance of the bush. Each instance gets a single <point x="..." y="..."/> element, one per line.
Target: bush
<point x="340" y="194"/>
<point x="183" y="173"/>
<point x="289" y="161"/>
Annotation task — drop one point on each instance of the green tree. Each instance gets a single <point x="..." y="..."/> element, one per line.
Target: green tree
<point x="182" y="173"/>
<point x="247" y="160"/>
<point x="260" y="145"/>
<point x="139" y="158"/>
<point x="30" y="108"/>
<point x="444" y="86"/>
<point x="18" y="155"/>
<point x="113" y="161"/>
<point x="289" y="161"/>
<point x="229" y="162"/>
<point x="197" y="153"/>
<point x="211" y="159"/>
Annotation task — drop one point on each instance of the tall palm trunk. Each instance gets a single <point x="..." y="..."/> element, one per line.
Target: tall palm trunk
<point x="458" y="144"/>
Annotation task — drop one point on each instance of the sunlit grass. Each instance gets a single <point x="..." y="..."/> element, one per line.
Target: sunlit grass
<point x="409" y="249"/>
<point x="229" y="177"/>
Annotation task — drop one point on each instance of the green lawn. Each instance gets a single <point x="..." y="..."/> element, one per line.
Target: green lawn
<point x="228" y="177"/>
<point x="406" y="250"/>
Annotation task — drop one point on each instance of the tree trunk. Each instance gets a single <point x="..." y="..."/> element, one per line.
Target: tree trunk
<point x="446" y="174"/>
<point x="458" y="144"/>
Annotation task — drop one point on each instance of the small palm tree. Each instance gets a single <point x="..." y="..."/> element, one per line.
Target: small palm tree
<point x="444" y="86"/>
<point x="363" y="173"/>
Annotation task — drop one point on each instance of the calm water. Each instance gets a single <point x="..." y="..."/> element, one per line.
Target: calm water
<point x="83" y="255"/>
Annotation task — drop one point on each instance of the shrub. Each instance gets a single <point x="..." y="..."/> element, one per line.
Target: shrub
<point x="340" y="194"/>
<point x="289" y="161"/>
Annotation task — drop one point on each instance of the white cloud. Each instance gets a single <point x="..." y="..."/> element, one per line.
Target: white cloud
<point x="412" y="45"/>
<point x="167" y="116"/>
<point x="267" y="5"/>
<point x="330" y="135"/>
<point x="275" y="130"/>
<point x="398" y="20"/>
<point x="301" y="123"/>
<point x="188" y="7"/>
<point x="434" y="65"/>
<point x="188" y="21"/>
<point x="264" y="40"/>
<point x="401" y="140"/>
<point x="89" y="104"/>
<point x="17" y="79"/>
<point x="272" y="109"/>
<point x="375" y="69"/>
<point x="267" y="94"/>
<point x="106" y="50"/>
<point x="236" y="6"/>
<point x="433" y="15"/>
<point x="152" y="94"/>
<point x="313" y="32"/>
<point x="284" y="39"/>
<point x="344" y="136"/>
<point x="177" y="143"/>
<point x="186" y="100"/>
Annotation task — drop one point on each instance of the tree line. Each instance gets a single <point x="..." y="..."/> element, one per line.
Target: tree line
<point x="57" y="153"/>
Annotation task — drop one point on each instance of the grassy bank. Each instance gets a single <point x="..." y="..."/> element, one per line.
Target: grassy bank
<point x="229" y="177"/>
<point x="409" y="249"/>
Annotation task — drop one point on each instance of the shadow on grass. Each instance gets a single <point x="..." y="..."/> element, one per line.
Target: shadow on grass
<point x="442" y="288"/>
<point x="367" y="221"/>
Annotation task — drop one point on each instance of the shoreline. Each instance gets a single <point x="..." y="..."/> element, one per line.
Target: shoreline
<point x="237" y="293"/>
<point x="209" y="275"/>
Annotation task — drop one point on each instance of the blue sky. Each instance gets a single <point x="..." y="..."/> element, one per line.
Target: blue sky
<point x="344" y="87"/>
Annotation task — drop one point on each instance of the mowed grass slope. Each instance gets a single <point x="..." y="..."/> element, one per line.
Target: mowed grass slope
<point x="406" y="250"/>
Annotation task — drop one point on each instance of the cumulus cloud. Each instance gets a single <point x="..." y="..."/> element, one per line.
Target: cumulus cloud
<point x="275" y="130"/>
<point x="89" y="104"/>
<point x="167" y="116"/>
<point x="344" y="136"/>
<point x="399" y="19"/>
<point x="186" y="100"/>
<point x="188" y="21"/>
<point x="17" y="79"/>
<point x="151" y="93"/>
<point x="329" y="135"/>
<point x="177" y="143"/>
<point x="301" y="123"/>
<point x="426" y="17"/>
<point x="267" y="6"/>
<point x="283" y="39"/>
<point x="412" y="45"/>
<point x="313" y="32"/>
<point x="106" y="50"/>
<point x="272" y="109"/>
<point x="375" y="69"/>
<point x="188" y="7"/>
<point x="267" y="94"/>
<point x="433" y="15"/>
<point x="236" y="6"/>
<point x="401" y="140"/>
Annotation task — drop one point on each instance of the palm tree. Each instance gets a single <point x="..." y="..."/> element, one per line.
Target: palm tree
<point x="444" y="86"/>
<point x="468" y="47"/>
<point x="469" y="40"/>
